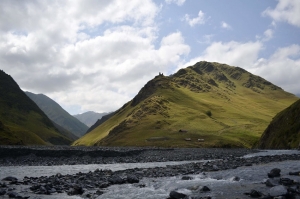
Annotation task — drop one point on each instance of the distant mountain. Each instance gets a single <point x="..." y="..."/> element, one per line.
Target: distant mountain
<point x="100" y="121"/>
<point x="205" y="105"/>
<point x="284" y="130"/>
<point x="89" y="118"/>
<point x="57" y="114"/>
<point x="298" y="95"/>
<point x="22" y="122"/>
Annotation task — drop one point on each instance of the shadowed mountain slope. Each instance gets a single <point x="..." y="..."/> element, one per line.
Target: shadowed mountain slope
<point x="22" y="122"/>
<point x="284" y="130"/>
<point x="89" y="118"/>
<point x="57" y="114"/>
<point x="205" y="105"/>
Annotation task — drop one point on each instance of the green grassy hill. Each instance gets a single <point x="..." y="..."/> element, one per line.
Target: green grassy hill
<point x="57" y="114"/>
<point x="284" y="130"/>
<point x="205" y="105"/>
<point x="21" y="120"/>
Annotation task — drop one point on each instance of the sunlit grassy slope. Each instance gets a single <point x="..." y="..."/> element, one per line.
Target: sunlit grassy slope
<point x="21" y="121"/>
<point x="205" y="105"/>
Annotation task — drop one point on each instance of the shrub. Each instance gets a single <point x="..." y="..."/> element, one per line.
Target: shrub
<point x="208" y="113"/>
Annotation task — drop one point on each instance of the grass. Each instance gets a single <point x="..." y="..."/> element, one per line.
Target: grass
<point x="284" y="130"/>
<point x="238" y="116"/>
<point x="29" y="129"/>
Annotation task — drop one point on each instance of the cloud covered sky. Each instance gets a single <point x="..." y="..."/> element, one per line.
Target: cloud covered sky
<point x="97" y="54"/>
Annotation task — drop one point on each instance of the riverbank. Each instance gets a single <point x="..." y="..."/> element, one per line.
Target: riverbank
<point x="65" y="155"/>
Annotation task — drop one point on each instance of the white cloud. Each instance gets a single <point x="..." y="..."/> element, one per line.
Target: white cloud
<point x="232" y="53"/>
<point x="225" y="25"/>
<point x="178" y="2"/>
<point x="119" y="75"/>
<point x="200" y="19"/>
<point x="95" y="60"/>
<point x="268" y="34"/>
<point x="286" y="10"/>
<point x="282" y="68"/>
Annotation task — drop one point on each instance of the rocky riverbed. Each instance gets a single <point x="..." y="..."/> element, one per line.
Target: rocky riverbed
<point x="97" y="183"/>
<point x="64" y="155"/>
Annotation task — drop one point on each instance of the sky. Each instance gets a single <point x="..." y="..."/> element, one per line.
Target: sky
<point x="95" y="55"/>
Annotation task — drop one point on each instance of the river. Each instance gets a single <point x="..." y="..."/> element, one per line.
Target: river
<point x="221" y="183"/>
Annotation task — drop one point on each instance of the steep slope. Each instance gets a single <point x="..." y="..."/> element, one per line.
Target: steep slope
<point x="57" y="114"/>
<point x="89" y="118"/>
<point x="205" y="105"/>
<point x="21" y="120"/>
<point x="284" y="130"/>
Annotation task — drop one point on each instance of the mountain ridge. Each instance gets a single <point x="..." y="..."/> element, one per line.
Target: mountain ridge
<point x="224" y="105"/>
<point x="57" y="114"/>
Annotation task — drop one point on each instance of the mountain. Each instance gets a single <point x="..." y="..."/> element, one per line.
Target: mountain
<point x="89" y="118"/>
<point x="205" y="105"/>
<point x="22" y="122"/>
<point x="64" y="131"/>
<point x="57" y="114"/>
<point x="284" y="130"/>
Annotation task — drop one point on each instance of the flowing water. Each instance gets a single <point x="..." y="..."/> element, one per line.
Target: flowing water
<point x="221" y="183"/>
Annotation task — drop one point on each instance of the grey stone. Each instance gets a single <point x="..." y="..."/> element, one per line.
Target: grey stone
<point x="272" y="183"/>
<point x="278" y="191"/>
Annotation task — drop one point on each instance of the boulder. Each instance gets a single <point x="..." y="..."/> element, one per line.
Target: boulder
<point x="286" y="181"/>
<point x="278" y="191"/>
<point x="76" y="190"/>
<point x="10" y="179"/>
<point x="274" y="173"/>
<point x="116" y="180"/>
<point x="272" y="183"/>
<point x="177" y="195"/>
<point x="254" y="194"/>
<point x="132" y="179"/>
<point x="2" y="192"/>
<point x="204" y="189"/>
<point x="187" y="178"/>
<point x="297" y="173"/>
